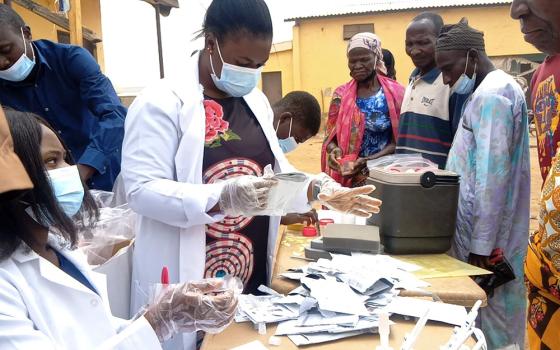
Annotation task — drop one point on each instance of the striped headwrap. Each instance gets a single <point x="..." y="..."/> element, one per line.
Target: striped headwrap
<point x="371" y="42"/>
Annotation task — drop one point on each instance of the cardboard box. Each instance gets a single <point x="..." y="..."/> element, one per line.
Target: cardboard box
<point x="118" y="270"/>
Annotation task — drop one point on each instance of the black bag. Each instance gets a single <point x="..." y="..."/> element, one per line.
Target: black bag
<point x="502" y="273"/>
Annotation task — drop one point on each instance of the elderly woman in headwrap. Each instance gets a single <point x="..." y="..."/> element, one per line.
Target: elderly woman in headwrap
<point x="363" y="116"/>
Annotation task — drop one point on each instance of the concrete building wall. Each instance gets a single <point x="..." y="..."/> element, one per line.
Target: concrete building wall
<point x="43" y="29"/>
<point x="319" y="52"/>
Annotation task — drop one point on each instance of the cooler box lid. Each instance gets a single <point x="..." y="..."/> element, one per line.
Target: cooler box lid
<point x="409" y="169"/>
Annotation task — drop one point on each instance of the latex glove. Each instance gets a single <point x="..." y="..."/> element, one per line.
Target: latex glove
<point x="347" y="200"/>
<point x="187" y="308"/>
<point x="245" y="195"/>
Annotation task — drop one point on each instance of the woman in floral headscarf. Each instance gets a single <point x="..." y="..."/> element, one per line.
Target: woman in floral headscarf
<point x="363" y="116"/>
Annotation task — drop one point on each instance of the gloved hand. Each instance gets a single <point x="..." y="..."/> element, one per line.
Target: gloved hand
<point x="188" y="308"/>
<point x="245" y="195"/>
<point x="347" y="200"/>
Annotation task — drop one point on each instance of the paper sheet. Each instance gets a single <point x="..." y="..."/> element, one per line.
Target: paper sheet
<point x="441" y="265"/>
<point x="307" y="339"/>
<point x="447" y="313"/>
<point x="385" y="260"/>
<point x="262" y="309"/>
<point x="299" y="291"/>
<point x="296" y="276"/>
<point x="316" y="319"/>
<point x="336" y="297"/>
<point x="291" y="327"/>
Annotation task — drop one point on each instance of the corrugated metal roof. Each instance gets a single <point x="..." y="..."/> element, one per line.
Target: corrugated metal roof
<point x="326" y="8"/>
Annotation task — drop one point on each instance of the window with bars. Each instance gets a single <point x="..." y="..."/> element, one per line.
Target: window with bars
<point x="350" y="30"/>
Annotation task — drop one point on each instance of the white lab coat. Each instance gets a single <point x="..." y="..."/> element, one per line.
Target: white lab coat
<point x="42" y="307"/>
<point x="162" y="162"/>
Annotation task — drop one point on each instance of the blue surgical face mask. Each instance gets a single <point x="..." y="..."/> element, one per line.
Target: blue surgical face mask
<point x="68" y="189"/>
<point x="235" y="80"/>
<point x="289" y="144"/>
<point x="22" y="67"/>
<point x="465" y="85"/>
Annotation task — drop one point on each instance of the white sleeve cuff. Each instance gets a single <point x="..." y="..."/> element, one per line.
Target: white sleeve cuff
<point x="138" y="335"/>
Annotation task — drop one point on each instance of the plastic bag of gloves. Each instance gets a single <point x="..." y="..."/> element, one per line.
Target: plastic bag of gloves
<point x="114" y="229"/>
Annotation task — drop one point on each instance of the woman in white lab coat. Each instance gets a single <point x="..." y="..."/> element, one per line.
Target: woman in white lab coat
<point x="186" y="134"/>
<point x="49" y="297"/>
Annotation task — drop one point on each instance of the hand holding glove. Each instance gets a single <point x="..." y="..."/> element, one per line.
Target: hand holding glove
<point x="245" y="195"/>
<point x="347" y="200"/>
<point x="334" y="156"/>
<point x="187" y="307"/>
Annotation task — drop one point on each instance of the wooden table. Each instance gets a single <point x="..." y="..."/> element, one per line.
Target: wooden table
<point x="454" y="290"/>
<point x="459" y="290"/>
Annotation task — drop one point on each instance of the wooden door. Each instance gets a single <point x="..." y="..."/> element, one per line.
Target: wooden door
<point x="272" y="86"/>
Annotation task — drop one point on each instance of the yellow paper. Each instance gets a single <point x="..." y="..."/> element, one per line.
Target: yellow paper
<point x="440" y="265"/>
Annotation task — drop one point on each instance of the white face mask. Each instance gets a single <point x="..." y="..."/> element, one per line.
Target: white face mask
<point x="235" y="80"/>
<point x="22" y="67"/>
<point x="465" y="85"/>
<point x="289" y="144"/>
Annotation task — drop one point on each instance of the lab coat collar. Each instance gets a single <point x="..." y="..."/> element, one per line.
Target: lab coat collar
<point x="24" y="254"/>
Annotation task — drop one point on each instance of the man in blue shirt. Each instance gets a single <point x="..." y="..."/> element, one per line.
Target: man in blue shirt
<point x="429" y="113"/>
<point x="64" y="85"/>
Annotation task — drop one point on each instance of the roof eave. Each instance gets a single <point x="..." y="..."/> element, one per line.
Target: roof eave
<point x="365" y="13"/>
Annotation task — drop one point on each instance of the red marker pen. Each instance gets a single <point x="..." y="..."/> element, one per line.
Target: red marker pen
<point x="165" y="276"/>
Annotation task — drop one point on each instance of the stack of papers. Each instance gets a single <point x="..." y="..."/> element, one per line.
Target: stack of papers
<point x="341" y="298"/>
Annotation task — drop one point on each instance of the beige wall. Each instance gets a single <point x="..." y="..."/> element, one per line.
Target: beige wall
<point x="43" y="29"/>
<point x="322" y="64"/>
<point x="282" y="61"/>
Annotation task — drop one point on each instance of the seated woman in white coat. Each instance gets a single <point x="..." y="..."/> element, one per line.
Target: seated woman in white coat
<point x="49" y="297"/>
<point x="195" y="149"/>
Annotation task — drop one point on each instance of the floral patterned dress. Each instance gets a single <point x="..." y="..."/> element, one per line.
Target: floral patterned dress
<point x="542" y="268"/>
<point x="491" y="154"/>
<point x="377" y="132"/>
<point x="237" y="245"/>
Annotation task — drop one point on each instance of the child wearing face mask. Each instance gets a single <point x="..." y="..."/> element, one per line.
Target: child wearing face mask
<point x="297" y="117"/>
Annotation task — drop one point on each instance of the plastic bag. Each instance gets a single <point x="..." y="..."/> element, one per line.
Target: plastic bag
<point x="114" y="229"/>
<point x="403" y="163"/>
<point x="208" y="305"/>
<point x="288" y="186"/>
